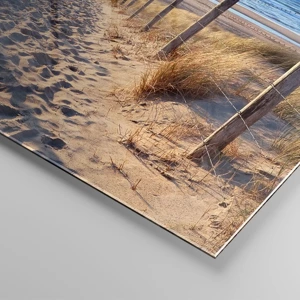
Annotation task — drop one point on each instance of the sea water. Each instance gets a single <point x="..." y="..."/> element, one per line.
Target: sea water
<point x="283" y="12"/>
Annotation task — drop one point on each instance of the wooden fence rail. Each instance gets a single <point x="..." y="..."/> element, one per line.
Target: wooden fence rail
<point x="140" y="9"/>
<point x="131" y="3"/>
<point x="160" y="15"/>
<point x="196" y="27"/>
<point x="250" y="114"/>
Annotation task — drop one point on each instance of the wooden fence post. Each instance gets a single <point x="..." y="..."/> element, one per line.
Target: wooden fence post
<point x="160" y="15"/>
<point x="131" y="3"/>
<point x="140" y="9"/>
<point x="250" y="114"/>
<point x="196" y="27"/>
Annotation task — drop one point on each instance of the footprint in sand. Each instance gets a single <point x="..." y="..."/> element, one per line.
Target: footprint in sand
<point x="44" y="59"/>
<point x="88" y="123"/>
<point x="6" y="41"/>
<point x="66" y="102"/>
<point x="18" y="37"/>
<point x="77" y="91"/>
<point x="91" y="79"/>
<point x="15" y="59"/>
<point x="46" y="73"/>
<point x="37" y="111"/>
<point x="66" y="30"/>
<point x="10" y="129"/>
<point x="101" y="74"/>
<point x="7" y="112"/>
<point x="55" y="72"/>
<point x="26" y="135"/>
<point x="73" y="68"/>
<point x="32" y="33"/>
<point x="5" y="26"/>
<point x="69" y="112"/>
<point x="70" y="77"/>
<point x="48" y="93"/>
<point x="62" y="84"/>
<point x="88" y="43"/>
<point x="55" y="143"/>
<point x="23" y="54"/>
<point x="81" y="59"/>
<point x="26" y="69"/>
<point x="87" y="100"/>
<point x="19" y="94"/>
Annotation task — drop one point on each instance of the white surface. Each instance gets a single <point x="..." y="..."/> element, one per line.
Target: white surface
<point x="60" y="239"/>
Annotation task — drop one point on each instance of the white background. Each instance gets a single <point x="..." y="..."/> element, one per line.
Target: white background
<point x="60" y="239"/>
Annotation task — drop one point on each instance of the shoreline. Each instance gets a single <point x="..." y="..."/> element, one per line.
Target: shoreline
<point x="268" y="23"/>
<point x="234" y="22"/>
<point x="271" y="25"/>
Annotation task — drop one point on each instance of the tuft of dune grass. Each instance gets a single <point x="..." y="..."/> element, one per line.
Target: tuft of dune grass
<point x="288" y="144"/>
<point x="289" y="109"/>
<point x="194" y="75"/>
<point x="270" y="52"/>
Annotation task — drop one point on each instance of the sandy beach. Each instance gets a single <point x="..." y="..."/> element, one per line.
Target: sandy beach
<point x="65" y="72"/>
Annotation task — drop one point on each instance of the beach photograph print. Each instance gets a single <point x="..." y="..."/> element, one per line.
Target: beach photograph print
<point x="185" y="111"/>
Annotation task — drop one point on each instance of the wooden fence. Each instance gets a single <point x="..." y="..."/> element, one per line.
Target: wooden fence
<point x="252" y="112"/>
<point x="161" y="14"/>
<point x="196" y="27"/>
